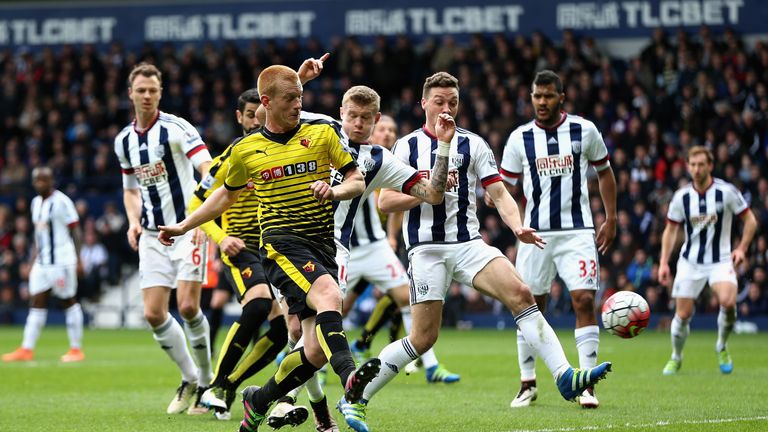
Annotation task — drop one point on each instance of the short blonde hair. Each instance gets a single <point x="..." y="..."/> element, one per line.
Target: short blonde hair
<point x="699" y="149"/>
<point x="363" y="96"/>
<point x="144" y="69"/>
<point x="269" y="77"/>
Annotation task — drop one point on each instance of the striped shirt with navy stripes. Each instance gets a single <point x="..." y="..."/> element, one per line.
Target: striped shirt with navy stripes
<point x="708" y="219"/>
<point x="368" y="227"/>
<point x="471" y="163"/>
<point x="52" y="218"/>
<point x="554" y="163"/>
<point x="380" y="170"/>
<point x="161" y="162"/>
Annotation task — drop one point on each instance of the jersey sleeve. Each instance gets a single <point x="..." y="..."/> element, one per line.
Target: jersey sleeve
<point x="595" y="149"/>
<point x="485" y="165"/>
<point x="192" y="144"/>
<point x="338" y="151"/>
<point x="511" y="161"/>
<point x="676" y="213"/>
<point x="129" y="176"/>
<point x="69" y="213"/>
<point x="397" y="175"/>
<point x="736" y="201"/>
<point x="237" y="173"/>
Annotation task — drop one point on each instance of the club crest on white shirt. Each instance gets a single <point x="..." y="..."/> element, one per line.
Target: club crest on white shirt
<point x="576" y="146"/>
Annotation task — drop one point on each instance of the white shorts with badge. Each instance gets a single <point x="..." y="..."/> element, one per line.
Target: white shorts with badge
<point x="60" y="279"/>
<point x="570" y="254"/>
<point x="433" y="267"/>
<point x="165" y="265"/>
<point x="377" y="263"/>
<point x="691" y="278"/>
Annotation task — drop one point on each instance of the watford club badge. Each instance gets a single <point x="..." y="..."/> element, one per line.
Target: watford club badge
<point x="247" y="273"/>
<point x="309" y="267"/>
<point x="306" y="142"/>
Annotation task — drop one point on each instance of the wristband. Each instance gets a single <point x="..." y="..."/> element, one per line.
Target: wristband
<point x="443" y="148"/>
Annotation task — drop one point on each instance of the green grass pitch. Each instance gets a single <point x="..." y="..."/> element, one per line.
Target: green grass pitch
<point x="126" y="383"/>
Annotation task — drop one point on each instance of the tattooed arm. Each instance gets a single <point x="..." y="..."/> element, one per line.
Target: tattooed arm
<point x="430" y="191"/>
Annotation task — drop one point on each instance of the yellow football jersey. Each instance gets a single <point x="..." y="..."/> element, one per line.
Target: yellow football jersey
<point x="240" y="220"/>
<point x="281" y="167"/>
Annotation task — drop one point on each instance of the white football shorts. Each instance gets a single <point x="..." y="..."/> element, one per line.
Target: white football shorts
<point x="165" y="265"/>
<point x="60" y="279"/>
<point x="377" y="263"/>
<point x="571" y="254"/>
<point x="432" y="267"/>
<point x="691" y="278"/>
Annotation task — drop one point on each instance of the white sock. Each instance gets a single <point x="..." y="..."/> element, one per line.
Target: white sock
<point x="679" y="331"/>
<point x="526" y="358"/>
<point x="725" y="320"/>
<point x="314" y="389"/>
<point x="34" y="326"/>
<point x="171" y="338"/>
<point x="74" y="318"/>
<point x="393" y="358"/>
<point x="199" y="335"/>
<point x="587" y="343"/>
<point x="540" y="336"/>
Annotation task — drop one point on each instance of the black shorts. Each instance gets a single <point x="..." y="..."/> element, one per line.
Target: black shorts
<point x="293" y="264"/>
<point x="245" y="271"/>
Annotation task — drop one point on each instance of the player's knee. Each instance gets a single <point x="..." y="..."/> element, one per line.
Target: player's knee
<point x="154" y="317"/>
<point x="729" y="303"/>
<point x="424" y="341"/>
<point x="584" y="304"/>
<point x="188" y="310"/>
<point x="683" y="314"/>
<point x="315" y="355"/>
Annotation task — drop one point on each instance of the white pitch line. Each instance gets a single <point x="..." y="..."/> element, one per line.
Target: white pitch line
<point x="661" y="423"/>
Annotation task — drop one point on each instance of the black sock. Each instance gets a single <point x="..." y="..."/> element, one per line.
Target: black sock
<point x="396" y="327"/>
<point x="320" y="408"/>
<point x="240" y="334"/>
<point x="332" y="338"/>
<point x="215" y="324"/>
<point x="294" y="370"/>
<point x="265" y="350"/>
<point x="383" y="311"/>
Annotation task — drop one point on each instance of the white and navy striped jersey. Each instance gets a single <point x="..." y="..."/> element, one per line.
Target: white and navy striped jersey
<point x="708" y="218"/>
<point x="380" y="170"/>
<point x="554" y="162"/>
<point x="52" y="218"/>
<point x="470" y="161"/>
<point x="368" y="228"/>
<point x="161" y="162"/>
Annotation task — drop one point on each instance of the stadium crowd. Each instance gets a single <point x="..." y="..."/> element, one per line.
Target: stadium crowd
<point x="64" y="107"/>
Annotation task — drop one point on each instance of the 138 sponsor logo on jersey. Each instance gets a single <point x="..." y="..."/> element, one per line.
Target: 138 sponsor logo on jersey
<point x="279" y="172"/>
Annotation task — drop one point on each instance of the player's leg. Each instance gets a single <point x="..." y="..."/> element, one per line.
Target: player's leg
<point x="39" y="290"/>
<point x="170" y="336"/>
<point x="688" y="284"/>
<point x="295" y="369"/>
<point x="381" y="313"/>
<point x="576" y="259"/>
<point x="726" y="318"/>
<point x="221" y="295"/>
<point x="157" y="274"/>
<point x="428" y="272"/>
<point x="500" y="280"/>
<point x="191" y="270"/>
<point x="309" y="288"/>
<point x="73" y="313"/>
<point x="537" y="268"/>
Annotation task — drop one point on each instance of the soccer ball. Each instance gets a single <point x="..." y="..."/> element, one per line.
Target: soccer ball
<point x="625" y="314"/>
